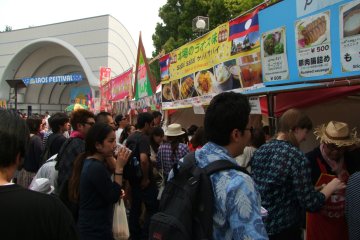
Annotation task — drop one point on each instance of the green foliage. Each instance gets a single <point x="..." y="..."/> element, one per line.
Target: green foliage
<point x="177" y="16"/>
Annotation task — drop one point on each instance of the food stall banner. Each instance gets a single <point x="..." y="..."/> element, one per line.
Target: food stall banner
<point x="321" y="44"/>
<point x="304" y="7"/>
<point x="121" y="85"/>
<point x="80" y="95"/>
<point x="145" y="84"/>
<point x="226" y="58"/>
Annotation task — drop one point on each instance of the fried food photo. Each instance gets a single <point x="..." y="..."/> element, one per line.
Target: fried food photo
<point x="166" y="91"/>
<point x="175" y="89"/>
<point x="204" y="82"/>
<point x="314" y="30"/>
<point x="187" y="87"/>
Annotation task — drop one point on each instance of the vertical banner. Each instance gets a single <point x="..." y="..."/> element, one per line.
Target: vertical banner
<point x="313" y="48"/>
<point x="144" y="81"/>
<point x="121" y="85"/>
<point x="350" y="36"/>
<point x="273" y="55"/>
<point x="164" y="62"/>
<point x="104" y="80"/>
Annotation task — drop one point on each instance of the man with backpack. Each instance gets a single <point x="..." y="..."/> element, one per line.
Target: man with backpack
<point x="209" y="196"/>
<point x="138" y="172"/>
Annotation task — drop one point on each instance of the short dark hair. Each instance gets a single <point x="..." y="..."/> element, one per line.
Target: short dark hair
<point x="14" y="137"/>
<point x="34" y="122"/>
<point x="101" y="117"/>
<point x="80" y="116"/>
<point x="57" y="120"/>
<point x="227" y="111"/>
<point x="143" y="118"/>
<point x="156" y="114"/>
<point x="118" y="118"/>
<point x="192" y="129"/>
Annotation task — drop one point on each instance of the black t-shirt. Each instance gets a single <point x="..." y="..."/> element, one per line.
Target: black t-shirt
<point x="143" y="142"/>
<point x="26" y="214"/>
<point x="56" y="140"/>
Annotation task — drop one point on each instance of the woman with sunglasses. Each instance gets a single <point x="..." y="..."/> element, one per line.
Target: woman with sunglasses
<point x="91" y="185"/>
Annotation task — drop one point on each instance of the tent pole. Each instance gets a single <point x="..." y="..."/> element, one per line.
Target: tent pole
<point x="272" y="122"/>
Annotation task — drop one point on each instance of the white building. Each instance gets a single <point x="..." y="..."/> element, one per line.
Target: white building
<point x="80" y="46"/>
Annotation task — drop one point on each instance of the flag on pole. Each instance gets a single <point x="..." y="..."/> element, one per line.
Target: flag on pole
<point x="244" y="25"/>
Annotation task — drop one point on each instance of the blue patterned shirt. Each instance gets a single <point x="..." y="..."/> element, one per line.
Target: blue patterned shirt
<point x="236" y="200"/>
<point x="282" y="175"/>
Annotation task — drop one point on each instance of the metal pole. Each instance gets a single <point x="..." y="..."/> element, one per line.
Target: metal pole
<point x="16" y="97"/>
<point x="272" y="120"/>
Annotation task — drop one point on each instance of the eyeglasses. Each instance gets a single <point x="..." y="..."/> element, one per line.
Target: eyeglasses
<point x="90" y="123"/>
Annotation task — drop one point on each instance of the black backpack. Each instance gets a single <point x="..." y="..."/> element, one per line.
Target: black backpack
<point x="132" y="169"/>
<point x="186" y="205"/>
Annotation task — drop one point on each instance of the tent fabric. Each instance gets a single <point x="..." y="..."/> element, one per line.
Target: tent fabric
<point x="305" y="98"/>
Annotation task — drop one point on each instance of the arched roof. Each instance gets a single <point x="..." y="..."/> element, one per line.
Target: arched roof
<point x="44" y="57"/>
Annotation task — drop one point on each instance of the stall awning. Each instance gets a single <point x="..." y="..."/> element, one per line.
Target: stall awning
<point x="303" y="95"/>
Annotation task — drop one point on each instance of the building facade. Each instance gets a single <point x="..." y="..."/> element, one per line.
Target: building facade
<point x="73" y="47"/>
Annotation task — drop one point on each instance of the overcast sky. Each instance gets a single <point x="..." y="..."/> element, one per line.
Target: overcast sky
<point x="135" y="15"/>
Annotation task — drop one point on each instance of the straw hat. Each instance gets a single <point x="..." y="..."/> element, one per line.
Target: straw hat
<point x="337" y="133"/>
<point x="174" y="130"/>
<point x="42" y="185"/>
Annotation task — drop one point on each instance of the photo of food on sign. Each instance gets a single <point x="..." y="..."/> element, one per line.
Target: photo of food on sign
<point x="205" y="82"/>
<point x="227" y="75"/>
<point x="187" y="88"/>
<point x="175" y="92"/>
<point x="273" y="44"/>
<point x="352" y="21"/>
<point x="166" y="92"/>
<point x="313" y="30"/>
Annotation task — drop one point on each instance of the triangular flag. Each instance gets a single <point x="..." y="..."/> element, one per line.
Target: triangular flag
<point x="144" y="81"/>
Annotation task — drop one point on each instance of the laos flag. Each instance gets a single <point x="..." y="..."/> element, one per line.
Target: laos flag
<point x="244" y="25"/>
<point x="164" y="67"/>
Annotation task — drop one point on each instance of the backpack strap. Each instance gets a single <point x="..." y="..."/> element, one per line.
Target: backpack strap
<point x="221" y="165"/>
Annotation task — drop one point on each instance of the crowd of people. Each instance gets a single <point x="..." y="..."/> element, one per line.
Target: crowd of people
<point x="66" y="173"/>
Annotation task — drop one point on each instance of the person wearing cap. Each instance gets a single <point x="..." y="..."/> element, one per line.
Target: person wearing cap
<point x="171" y="151"/>
<point x="26" y="214"/>
<point x="328" y="161"/>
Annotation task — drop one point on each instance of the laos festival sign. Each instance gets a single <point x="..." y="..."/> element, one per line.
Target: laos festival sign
<point x="53" y="79"/>
<point x="224" y="59"/>
<point x="305" y="7"/>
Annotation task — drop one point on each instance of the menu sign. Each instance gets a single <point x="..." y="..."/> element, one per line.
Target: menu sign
<point x="226" y="58"/>
<point x="313" y="48"/>
<point x="349" y="19"/>
<point x="273" y="55"/>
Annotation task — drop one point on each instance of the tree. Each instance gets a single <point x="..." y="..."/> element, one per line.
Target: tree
<point x="177" y="17"/>
<point x="8" y="28"/>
